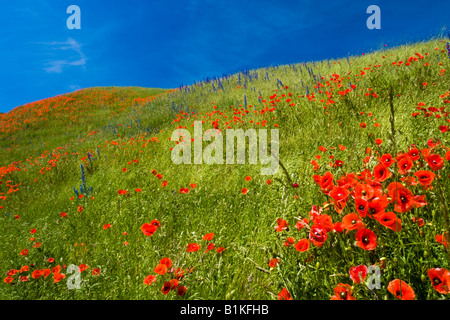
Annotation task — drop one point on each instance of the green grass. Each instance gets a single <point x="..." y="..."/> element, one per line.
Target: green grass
<point x="116" y="129"/>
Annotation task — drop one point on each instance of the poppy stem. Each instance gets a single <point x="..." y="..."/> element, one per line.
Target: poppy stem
<point x="392" y="120"/>
<point x="258" y="267"/>
<point x="284" y="169"/>
<point x="445" y="214"/>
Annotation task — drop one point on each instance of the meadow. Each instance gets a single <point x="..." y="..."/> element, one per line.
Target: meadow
<point x="92" y="206"/>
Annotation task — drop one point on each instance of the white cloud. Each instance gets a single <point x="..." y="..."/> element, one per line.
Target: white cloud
<point x="71" y="52"/>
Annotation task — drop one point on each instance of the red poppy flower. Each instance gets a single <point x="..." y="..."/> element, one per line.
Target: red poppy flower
<point x="404" y="163"/>
<point x="8" y="279"/>
<point x="440" y="238"/>
<point x="377" y="206"/>
<point x="160" y="269"/>
<point x="156" y="223"/>
<point x="337" y="226"/>
<point x="435" y="161"/>
<point x="301" y="223"/>
<point x="122" y="191"/>
<point x="403" y="197"/>
<point x="124" y="169"/>
<point x="166" y="261"/>
<point x="313" y="213"/>
<point x="318" y="236"/>
<point x="420" y="222"/>
<point x="324" y="221"/>
<point x="289" y="242"/>
<point x="317" y="179"/>
<point x="24" y="269"/>
<point x="273" y="262"/>
<point x="364" y="191"/>
<point x="36" y="274"/>
<point x="425" y="177"/>
<point x="150" y="279"/>
<point x="339" y="206"/>
<point x="440" y="279"/>
<point x="414" y="154"/>
<point x="390" y="220"/>
<point x="57" y="277"/>
<point x="138" y="189"/>
<point x="348" y="181"/>
<point x="193" y="247"/>
<point x="409" y="181"/>
<point x="184" y="190"/>
<point x="24" y="252"/>
<point x="210" y="247"/>
<point x="106" y="226"/>
<point x="378" y="141"/>
<point x="12" y="272"/>
<point x="248" y="178"/>
<point x="79" y="209"/>
<point x="366" y="239"/>
<point x="51" y="260"/>
<point x="208" y="236"/>
<point x="386" y="160"/>
<point x="381" y="173"/>
<point x="326" y="182"/>
<point x="166" y="287"/>
<point x="148" y="229"/>
<point x="83" y="267"/>
<point x="63" y="214"/>
<point x="362" y="206"/>
<point x="95" y="271"/>
<point x="339" y="194"/>
<point x="284" y="294"/>
<point x="302" y="245"/>
<point x="401" y="290"/>
<point x="281" y="225"/>
<point x="343" y="291"/>
<point x="56" y="269"/>
<point x="358" y="274"/>
<point x="181" y="290"/>
<point x="244" y="190"/>
<point x="46" y="272"/>
<point x="352" y="222"/>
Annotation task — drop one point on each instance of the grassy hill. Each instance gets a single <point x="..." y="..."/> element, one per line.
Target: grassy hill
<point x="93" y="207"/>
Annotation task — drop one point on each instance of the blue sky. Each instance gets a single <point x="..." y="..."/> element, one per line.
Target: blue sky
<point x="166" y="44"/>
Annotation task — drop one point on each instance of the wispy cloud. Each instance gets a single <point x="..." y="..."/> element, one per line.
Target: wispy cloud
<point x="71" y="54"/>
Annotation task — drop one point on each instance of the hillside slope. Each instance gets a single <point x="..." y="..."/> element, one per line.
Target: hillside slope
<point x="88" y="184"/>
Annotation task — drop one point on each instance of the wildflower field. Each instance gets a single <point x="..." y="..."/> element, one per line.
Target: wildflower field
<point x="93" y="207"/>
